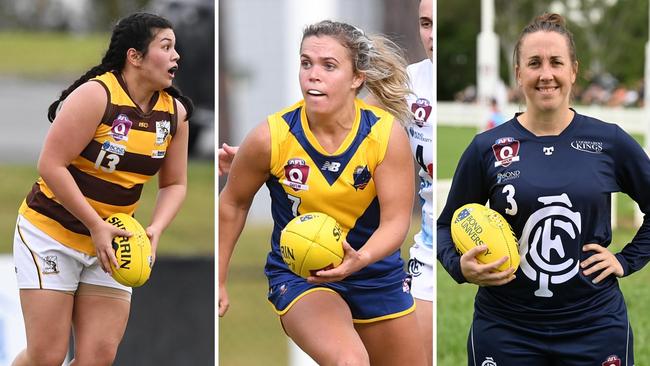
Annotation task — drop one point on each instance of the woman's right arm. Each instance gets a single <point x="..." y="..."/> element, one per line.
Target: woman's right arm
<point x="250" y="169"/>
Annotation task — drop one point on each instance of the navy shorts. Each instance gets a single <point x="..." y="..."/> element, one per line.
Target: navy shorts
<point x="605" y="341"/>
<point x="368" y="302"/>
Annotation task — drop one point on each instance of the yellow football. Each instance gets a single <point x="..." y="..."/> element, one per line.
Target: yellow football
<point x="474" y="224"/>
<point x="133" y="253"/>
<point x="311" y="242"/>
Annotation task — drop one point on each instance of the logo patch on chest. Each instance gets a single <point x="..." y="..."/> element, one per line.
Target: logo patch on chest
<point x="421" y="111"/>
<point x="296" y="173"/>
<point x="361" y="177"/>
<point x="158" y="154"/>
<point x="612" y="360"/>
<point x="162" y="131"/>
<point x="121" y="127"/>
<point x="113" y="148"/>
<point x="507" y="176"/>
<point x="332" y="166"/>
<point x="593" y="147"/>
<point x="506" y="151"/>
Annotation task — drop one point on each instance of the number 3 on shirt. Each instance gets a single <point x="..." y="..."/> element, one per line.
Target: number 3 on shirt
<point x="509" y="190"/>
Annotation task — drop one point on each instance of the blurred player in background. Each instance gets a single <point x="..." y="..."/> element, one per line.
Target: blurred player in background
<point x="420" y="132"/>
<point x="119" y="124"/>
<point x="351" y="157"/>
<point x="496" y="118"/>
<point x="550" y="172"/>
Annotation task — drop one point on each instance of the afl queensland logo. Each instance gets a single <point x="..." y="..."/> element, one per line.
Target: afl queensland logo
<point x="506" y="151"/>
<point x="612" y="360"/>
<point x="421" y="111"/>
<point x="542" y="249"/>
<point x="162" y="131"/>
<point x="121" y="127"/>
<point x="296" y="172"/>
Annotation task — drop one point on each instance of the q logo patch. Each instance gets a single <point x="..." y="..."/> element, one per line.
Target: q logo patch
<point x="296" y="172"/>
<point x="537" y="243"/>
<point x="612" y="361"/>
<point x="121" y="127"/>
<point x="506" y="151"/>
<point x="421" y="110"/>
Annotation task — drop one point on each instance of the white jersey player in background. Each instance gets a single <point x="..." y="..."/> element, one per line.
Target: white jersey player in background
<point x="420" y="132"/>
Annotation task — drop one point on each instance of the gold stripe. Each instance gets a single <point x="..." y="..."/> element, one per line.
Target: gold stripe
<point x="139" y="142"/>
<point x="46" y="190"/>
<point x="38" y="269"/>
<point x="56" y="231"/>
<point x="386" y="317"/>
<point x="125" y="179"/>
<point x="282" y="312"/>
<point x="105" y="209"/>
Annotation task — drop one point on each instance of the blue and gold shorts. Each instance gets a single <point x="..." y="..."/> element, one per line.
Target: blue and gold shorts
<point x="369" y="300"/>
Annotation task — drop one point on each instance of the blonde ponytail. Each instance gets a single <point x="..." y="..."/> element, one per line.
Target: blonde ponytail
<point x="376" y="56"/>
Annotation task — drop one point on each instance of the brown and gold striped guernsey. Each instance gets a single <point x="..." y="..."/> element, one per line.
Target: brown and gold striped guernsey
<point x="127" y="150"/>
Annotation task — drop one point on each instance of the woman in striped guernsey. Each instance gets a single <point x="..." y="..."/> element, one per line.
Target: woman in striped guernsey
<point x="122" y="122"/>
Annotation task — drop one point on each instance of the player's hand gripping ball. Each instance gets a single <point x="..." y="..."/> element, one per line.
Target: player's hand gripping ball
<point x="133" y="253"/>
<point x="474" y="224"/>
<point x="311" y="242"/>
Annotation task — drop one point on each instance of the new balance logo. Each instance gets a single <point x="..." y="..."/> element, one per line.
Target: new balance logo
<point x="331" y="166"/>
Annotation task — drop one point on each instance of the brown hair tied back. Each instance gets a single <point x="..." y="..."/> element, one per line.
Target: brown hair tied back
<point x="547" y="22"/>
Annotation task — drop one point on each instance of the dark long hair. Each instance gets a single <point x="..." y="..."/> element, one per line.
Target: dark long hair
<point x="134" y="31"/>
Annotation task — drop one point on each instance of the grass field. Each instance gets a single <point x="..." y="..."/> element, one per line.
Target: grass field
<point x="191" y="233"/>
<point x="66" y="54"/>
<point x="455" y="302"/>
<point x="250" y="333"/>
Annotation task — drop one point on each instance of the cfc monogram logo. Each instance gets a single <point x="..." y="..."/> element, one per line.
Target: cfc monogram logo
<point x="489" y="361"/>
<point x="542" y="235"/>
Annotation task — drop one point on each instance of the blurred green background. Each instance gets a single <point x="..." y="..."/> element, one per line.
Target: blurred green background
<point x="456" y="302"/>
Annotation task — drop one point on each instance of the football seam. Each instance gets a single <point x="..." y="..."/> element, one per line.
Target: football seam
<point x="326" y="248"/>
<point x="304" y="257"/>
<point x="505" y="240"/>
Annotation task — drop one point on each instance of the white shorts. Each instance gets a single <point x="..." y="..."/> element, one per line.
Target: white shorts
<point x="420" y="267"/>
<point x="44" y="263"/>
